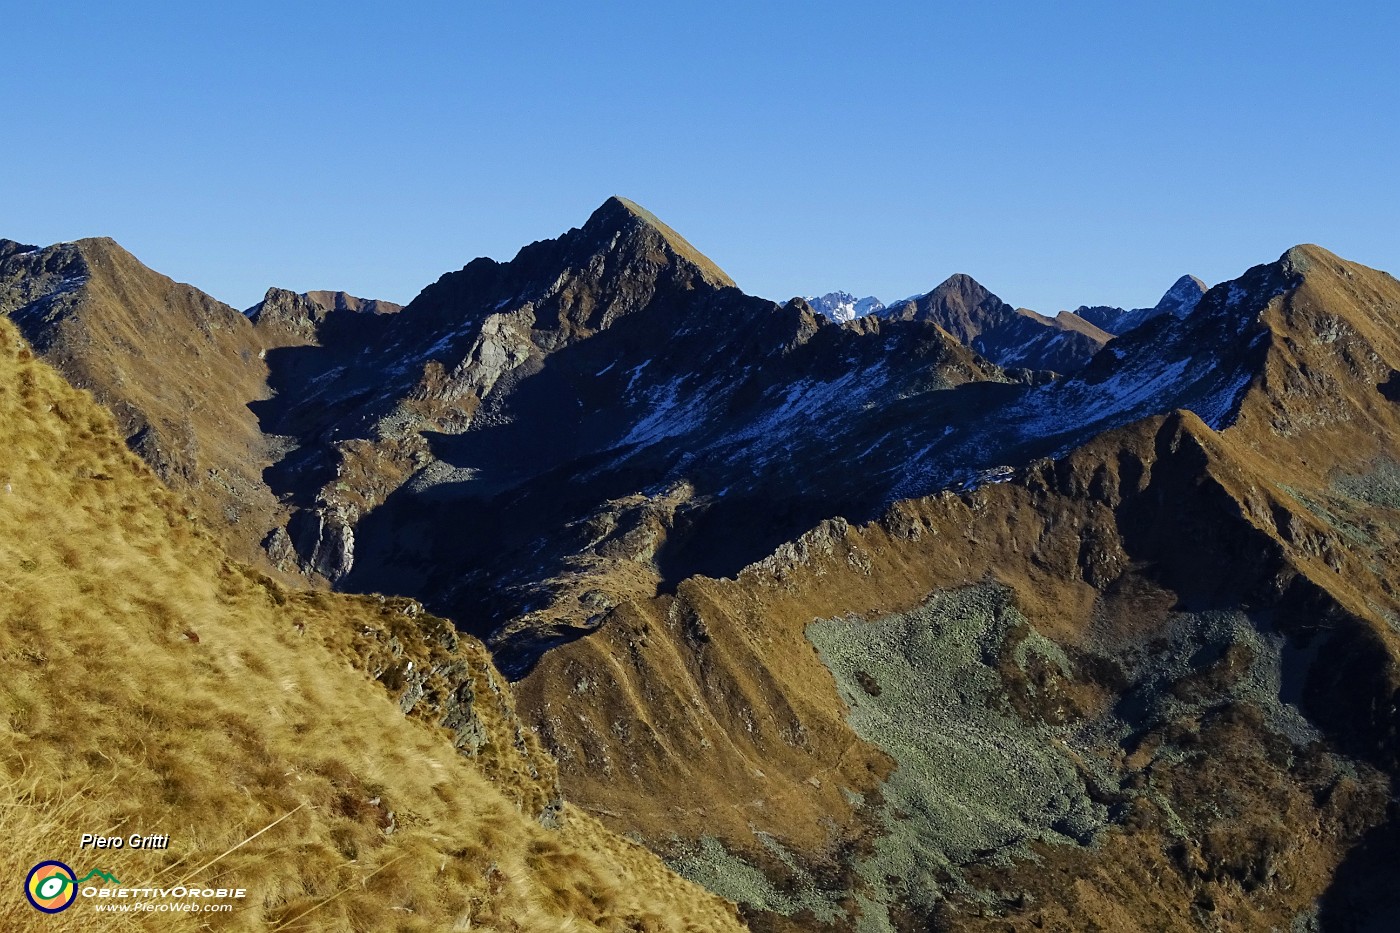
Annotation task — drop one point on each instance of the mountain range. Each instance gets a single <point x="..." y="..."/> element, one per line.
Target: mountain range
<point x="1014" y="337"/>
<point x="940" y="615"/>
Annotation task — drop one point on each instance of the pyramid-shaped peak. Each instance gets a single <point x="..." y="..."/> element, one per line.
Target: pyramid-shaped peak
<point x="628" y="206"/>
<point x="960" y="305"/>
<point x="961" y="290"/>
<point x="960" y="282"/>
<point x="618" y="216"/>
<point x="1181" y="299"/>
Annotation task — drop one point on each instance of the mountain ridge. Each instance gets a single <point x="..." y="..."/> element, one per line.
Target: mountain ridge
<point x="1196" y="504"/>
<point x="721" y="545"/>
<point x="175" y="366"/>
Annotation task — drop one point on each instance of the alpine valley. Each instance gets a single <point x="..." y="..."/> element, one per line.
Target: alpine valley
<point x="588" y="589"/>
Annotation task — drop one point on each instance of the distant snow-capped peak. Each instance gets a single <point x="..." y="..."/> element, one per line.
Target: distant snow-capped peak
<point x="843" y="306"/>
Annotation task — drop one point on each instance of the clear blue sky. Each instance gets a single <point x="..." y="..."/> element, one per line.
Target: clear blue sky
<point x="1061" y="153"/>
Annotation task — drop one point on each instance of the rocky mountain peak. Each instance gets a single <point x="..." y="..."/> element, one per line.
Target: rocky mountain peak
<point x="620" y="221"/>
<point x="1179" y="300"/>
<point x="1010" y="338"/>
<point x="801" y="305"/>
<point x="1307" y="257"/>
<point x="176" y="368"/>
<point x="1309" y="264"/>
<point x="961" y="283"/>
<point x="585" y="279"/>
<point x="1333" y="343"/>
<point x="111" y="256"/>
<point x="960" y="305"/>
<point x="286" y="313"/>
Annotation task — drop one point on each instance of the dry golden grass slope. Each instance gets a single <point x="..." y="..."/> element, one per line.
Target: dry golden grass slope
<point x="150" y="684"/>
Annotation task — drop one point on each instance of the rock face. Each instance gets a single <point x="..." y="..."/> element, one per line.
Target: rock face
<point x="1179" y="301"/>
<point x="895" y="623"/>
<point x="1009" y="337"/>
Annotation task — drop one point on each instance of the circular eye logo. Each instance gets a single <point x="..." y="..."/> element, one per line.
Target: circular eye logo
<point x="51" y="887"/>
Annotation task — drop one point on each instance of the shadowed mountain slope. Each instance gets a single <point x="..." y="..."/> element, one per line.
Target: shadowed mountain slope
<point x="178" y="369"/>
<point x="357" y="407"/>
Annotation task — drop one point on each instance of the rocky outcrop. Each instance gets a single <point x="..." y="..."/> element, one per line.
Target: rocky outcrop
<point x="326" y="538"/>
<point x="450" y="682"/>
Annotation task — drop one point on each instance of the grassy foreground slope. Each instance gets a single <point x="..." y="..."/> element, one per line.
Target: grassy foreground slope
<point x="150" y="684"/>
